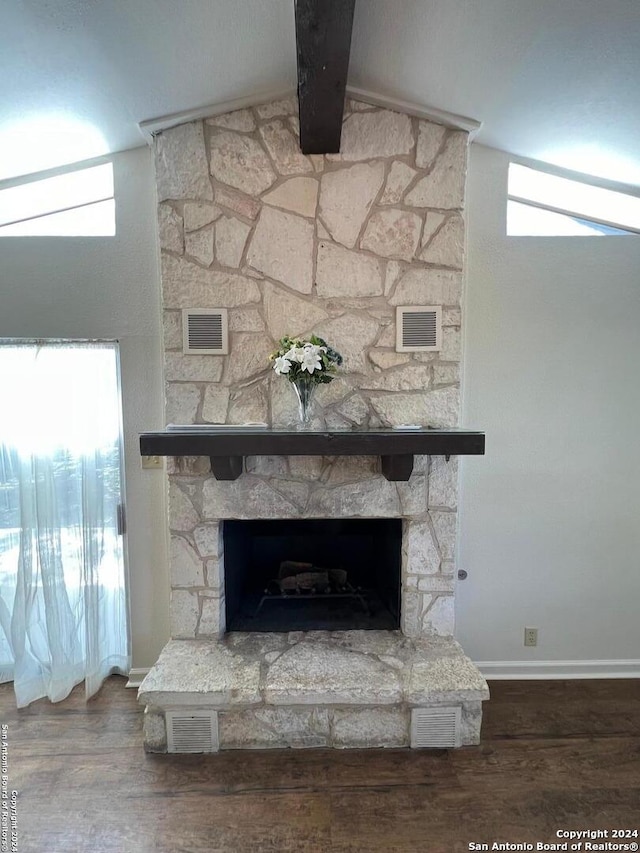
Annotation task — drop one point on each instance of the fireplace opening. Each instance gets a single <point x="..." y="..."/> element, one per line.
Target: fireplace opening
<point x="312" y="574"/>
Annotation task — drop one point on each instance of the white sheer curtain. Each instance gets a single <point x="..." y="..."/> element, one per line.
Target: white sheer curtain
<point x="63" y="603"/>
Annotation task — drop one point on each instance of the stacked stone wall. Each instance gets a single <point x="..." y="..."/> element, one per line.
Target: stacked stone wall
<point x="332" y="244"/>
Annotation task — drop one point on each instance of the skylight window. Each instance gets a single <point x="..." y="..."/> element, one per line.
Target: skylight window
<point x="541" y="204"/>
<point x="79" y="203"/>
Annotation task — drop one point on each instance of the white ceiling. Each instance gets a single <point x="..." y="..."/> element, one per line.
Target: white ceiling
<point x="555" y="80"/>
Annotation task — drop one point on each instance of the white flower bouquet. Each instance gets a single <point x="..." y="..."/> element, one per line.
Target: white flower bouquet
<point x="306" y="364"/>
<point x="313" y="360"/>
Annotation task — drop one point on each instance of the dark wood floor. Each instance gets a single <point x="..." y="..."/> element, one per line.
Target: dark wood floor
<point x="555" y="755"/>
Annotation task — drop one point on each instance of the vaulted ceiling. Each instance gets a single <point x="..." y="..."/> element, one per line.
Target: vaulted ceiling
<point x="554" y="80"/>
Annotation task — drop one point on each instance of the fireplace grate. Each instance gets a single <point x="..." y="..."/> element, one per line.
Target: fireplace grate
<point x="436" y="728"/>
<point x="194" y="732"/>
<point x="347" y="592"/>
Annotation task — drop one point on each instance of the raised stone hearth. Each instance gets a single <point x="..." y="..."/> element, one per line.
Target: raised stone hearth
<point x="312" y="689"/>
<point x="332" y="245"/>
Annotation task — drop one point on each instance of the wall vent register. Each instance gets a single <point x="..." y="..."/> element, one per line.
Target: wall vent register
<point x="436" y="728"/>
<point x="418" y="328"/>
<point x="192" y="732"/>
<point x="205" y="331"/>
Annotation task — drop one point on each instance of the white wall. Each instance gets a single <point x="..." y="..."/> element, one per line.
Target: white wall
<point x="550" y="517"/>
<point x="108" y="287"/>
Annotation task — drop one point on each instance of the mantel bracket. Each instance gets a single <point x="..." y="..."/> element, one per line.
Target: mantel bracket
<point x="226" y="467"/>
<point x="397" y="467"/>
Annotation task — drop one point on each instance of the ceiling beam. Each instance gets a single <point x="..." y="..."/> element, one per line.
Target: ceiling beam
<point x="323" y="39"/>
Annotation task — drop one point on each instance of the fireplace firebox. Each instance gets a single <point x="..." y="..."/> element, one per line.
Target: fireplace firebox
<point x="312" y="574"/>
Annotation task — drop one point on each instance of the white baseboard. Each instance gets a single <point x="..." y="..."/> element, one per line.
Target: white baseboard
<point x="516" y="670"/>
<point x="136" y="676"/>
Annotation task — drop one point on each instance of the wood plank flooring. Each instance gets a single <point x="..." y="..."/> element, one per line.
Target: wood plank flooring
<point x="555" y="755"/>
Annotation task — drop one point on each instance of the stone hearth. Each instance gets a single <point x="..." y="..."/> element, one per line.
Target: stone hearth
<point x="312" y="689"/>
<point x="332" y="244"/>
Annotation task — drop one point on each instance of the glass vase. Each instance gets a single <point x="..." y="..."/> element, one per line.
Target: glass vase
<point x="305" y="390"/>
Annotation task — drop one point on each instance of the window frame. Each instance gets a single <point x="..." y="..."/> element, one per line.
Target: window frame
<point x="61" y="171"/>
<point x="622" y="230"/>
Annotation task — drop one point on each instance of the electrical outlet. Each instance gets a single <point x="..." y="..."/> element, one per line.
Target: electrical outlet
<point x="531" y="636"/>
<point x="152" y="461"/>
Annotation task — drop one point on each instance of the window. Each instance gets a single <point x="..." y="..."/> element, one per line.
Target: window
<point x="63" y="601"/>
<point x="77" y="203"/>
<point x="542" y="204"/>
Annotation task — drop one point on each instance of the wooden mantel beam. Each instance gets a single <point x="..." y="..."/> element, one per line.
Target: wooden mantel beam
<point x="227" y="445"/>
<point x="323" y="38"/>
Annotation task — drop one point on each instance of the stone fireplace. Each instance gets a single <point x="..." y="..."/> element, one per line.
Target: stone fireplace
<point x="294" y="244"/>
